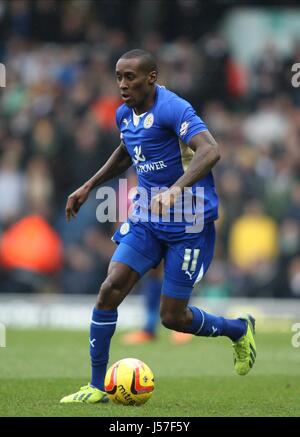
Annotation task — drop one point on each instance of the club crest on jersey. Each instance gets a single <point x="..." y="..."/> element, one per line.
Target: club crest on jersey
<point x="148" y="122"/>
<point x="124" y="229"/>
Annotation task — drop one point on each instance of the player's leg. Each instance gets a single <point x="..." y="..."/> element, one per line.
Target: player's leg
<point x="185" y="264"/>
<point x="131" y="260"/>
<point x="120" y="280"/>
<point x="137" y="252"/>
<point x="177" y="315"/>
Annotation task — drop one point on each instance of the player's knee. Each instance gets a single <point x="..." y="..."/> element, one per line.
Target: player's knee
<point x="111" y="283"/>
<point x="170" y="321"/>
<point x="110" y="294"/>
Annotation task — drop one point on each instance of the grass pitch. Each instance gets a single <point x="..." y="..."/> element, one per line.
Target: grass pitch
<point x="38" y="367"/>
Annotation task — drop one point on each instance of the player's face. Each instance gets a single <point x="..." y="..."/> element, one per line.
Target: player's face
<point x="135" y="84"/>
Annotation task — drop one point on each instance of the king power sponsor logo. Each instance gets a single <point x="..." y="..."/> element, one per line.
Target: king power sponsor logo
<point x="151" y="166"/>
<point x="140" y="158"/>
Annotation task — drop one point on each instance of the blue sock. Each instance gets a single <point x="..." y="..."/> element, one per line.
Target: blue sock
<point x="103" y="325"/>
<point x="152" y="300"/>
<point x="209" y="325"/>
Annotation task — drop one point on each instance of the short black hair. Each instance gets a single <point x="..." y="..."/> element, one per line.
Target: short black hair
<point x="147" y="63"/>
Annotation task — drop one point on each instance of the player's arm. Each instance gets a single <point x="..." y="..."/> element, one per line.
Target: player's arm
<point x="118" y="162"/>
<point x="205" y="157"/>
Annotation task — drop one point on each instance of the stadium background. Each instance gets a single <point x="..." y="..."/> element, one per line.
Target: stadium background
<point x="57" y="127"/>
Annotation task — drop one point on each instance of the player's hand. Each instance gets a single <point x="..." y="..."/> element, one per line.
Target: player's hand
<point x="162" y="202"/>
<point x="76" y="200"/>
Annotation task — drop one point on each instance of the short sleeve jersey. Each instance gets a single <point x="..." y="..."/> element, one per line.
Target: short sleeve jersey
<point x="157" y="142"/>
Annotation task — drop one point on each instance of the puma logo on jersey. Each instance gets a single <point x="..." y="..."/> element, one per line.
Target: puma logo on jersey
<point x="188" y="273"/>
<point x="139" y="157"/>
<point x="125" y="121"/>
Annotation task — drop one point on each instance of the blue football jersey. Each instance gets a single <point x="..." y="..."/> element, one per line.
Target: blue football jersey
<point x="157" y="143"/>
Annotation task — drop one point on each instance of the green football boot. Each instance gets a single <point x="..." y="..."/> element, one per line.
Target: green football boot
<point x="87" y="395"/>
<point x="244" y="349"/>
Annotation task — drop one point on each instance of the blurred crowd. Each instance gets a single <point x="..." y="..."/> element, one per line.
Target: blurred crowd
<point x="57" y="128"/>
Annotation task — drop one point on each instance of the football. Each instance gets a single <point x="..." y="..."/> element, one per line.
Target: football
<point x="129" y="382"/>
